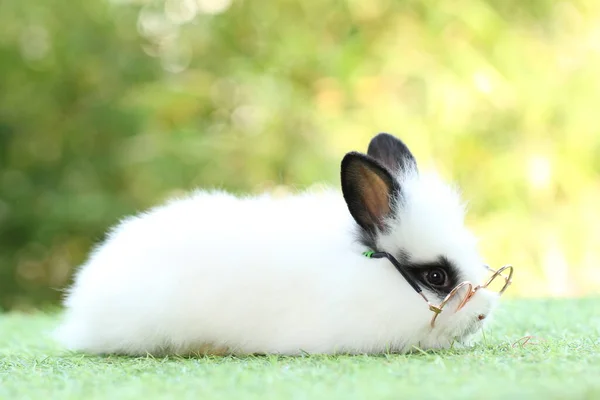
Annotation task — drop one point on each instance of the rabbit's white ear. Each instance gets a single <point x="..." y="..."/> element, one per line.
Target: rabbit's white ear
<point x="392" y="153"/>
<point x="368" y="188"/>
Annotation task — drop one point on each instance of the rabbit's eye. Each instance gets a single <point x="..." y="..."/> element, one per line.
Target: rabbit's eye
<point x="436" y="277"/>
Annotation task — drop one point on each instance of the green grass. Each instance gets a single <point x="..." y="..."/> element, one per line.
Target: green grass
<point x="561" y="361"/>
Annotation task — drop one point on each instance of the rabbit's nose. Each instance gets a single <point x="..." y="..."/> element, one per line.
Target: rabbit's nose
<point x="481" y="317"/>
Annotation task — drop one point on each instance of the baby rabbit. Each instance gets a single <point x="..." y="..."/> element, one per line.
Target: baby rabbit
<point x="212" y="273"/>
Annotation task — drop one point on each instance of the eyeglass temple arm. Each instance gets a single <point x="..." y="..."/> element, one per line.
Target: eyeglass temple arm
<point x="405" y="274"/>
<point x="396" y="264"/>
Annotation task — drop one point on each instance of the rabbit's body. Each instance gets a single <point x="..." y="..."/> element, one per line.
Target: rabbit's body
<point x="180" y="279"/>
<point x="215" y="273"/>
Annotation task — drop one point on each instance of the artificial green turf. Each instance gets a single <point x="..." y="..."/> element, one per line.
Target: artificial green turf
<point x="562" y="361"/>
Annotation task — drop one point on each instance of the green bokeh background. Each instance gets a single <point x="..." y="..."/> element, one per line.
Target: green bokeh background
<point x="109" y="107"/>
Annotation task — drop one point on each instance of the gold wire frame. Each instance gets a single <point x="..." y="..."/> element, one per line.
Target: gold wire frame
<point x="470" y="291"/>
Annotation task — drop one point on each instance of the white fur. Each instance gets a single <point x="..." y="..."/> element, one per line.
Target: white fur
<point x="212" y="272"/>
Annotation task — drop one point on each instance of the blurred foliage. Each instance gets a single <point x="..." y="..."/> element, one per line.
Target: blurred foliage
<point x="109" y="107"/>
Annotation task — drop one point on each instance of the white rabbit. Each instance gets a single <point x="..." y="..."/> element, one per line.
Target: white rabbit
<point x="213" y="273"/>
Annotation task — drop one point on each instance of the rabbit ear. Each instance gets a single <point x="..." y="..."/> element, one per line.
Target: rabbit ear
<point x="392" y="153"/>
<point x="368" y="188"/>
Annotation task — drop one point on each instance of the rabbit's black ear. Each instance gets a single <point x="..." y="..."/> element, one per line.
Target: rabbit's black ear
<point x="368" y="188"/>
<point x="392" y="152"/>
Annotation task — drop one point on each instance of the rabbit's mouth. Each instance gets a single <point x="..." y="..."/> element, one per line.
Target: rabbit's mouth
<point x="465" y="332"/>
<point x="461" y="334"/>
<point x="471" y="329"/>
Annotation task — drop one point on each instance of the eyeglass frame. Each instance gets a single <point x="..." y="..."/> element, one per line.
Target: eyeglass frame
<point x="437" y="310"/>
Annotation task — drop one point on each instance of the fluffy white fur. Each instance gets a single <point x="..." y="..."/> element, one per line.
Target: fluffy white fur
<point x="213" y="273"/>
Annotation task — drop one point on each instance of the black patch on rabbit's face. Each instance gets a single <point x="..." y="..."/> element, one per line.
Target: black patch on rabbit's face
<point x="423" y="273"/>
<point x="427" y="273"/>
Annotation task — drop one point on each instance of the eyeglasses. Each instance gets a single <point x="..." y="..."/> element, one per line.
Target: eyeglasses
<point x="498" y="282"/>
